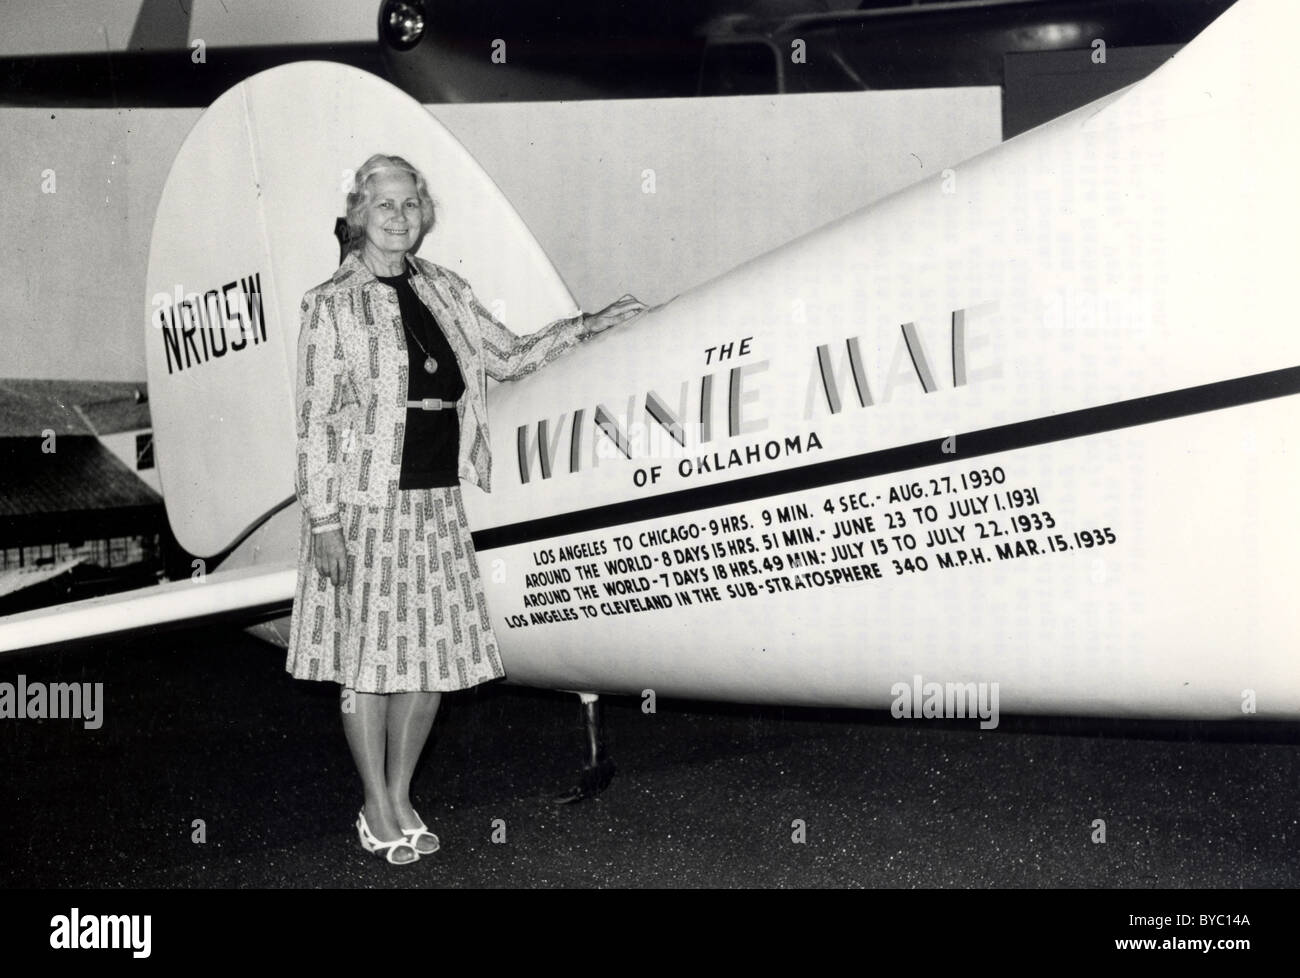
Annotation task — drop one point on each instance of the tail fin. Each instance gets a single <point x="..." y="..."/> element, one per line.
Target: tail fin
<point x="245" y="226"/>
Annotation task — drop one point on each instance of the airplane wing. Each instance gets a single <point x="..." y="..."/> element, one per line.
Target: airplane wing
<point x="245" y="591"/>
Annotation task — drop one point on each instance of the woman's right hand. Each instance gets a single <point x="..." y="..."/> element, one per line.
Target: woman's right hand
<point x="616" y="312"/>
<point x="329" y="555"/>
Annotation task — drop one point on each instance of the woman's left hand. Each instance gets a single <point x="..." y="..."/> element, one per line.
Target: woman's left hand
<point x="616" y="312"/>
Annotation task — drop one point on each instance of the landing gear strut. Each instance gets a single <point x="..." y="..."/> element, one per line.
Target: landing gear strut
<point x="598" y="769"/>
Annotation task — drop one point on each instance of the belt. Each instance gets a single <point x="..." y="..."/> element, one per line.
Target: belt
<point x="432" y="404"/>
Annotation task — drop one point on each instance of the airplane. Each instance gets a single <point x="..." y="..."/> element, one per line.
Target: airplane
<point x="1028" y="422"/>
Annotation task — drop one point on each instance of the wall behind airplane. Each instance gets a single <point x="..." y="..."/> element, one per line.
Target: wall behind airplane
<point x="731" y="178"/>
<point x="42" y="27"/>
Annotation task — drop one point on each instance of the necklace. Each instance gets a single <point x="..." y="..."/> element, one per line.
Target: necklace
<point x="430" y="364"/>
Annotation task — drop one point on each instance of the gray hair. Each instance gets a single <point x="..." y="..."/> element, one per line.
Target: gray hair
<point x="359" y="198"/>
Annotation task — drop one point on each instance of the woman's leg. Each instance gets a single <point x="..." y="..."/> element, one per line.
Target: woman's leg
<point x="410" y="718"/>
<point x="365" y="724"/>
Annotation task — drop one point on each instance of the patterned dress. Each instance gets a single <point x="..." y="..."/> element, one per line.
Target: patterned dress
<point x="411" y="614"/>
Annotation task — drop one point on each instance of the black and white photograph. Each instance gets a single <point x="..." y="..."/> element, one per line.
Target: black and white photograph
<point x="597" y="445"/>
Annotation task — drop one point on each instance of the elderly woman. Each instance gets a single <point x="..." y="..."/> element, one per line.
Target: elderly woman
<point x="392" y="358"/>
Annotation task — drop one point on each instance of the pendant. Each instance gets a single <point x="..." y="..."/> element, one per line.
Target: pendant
<point x="430" y="365"/>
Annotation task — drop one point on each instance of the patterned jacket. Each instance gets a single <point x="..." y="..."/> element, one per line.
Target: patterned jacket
<point x="352" y="382"/>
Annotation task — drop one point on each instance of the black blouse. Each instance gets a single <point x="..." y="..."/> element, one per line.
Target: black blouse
<point x="431" y="443"/>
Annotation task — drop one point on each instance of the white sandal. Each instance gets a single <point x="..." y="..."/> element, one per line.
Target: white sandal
<point x="413" y="835"/>
<point x="371" y="844"/>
